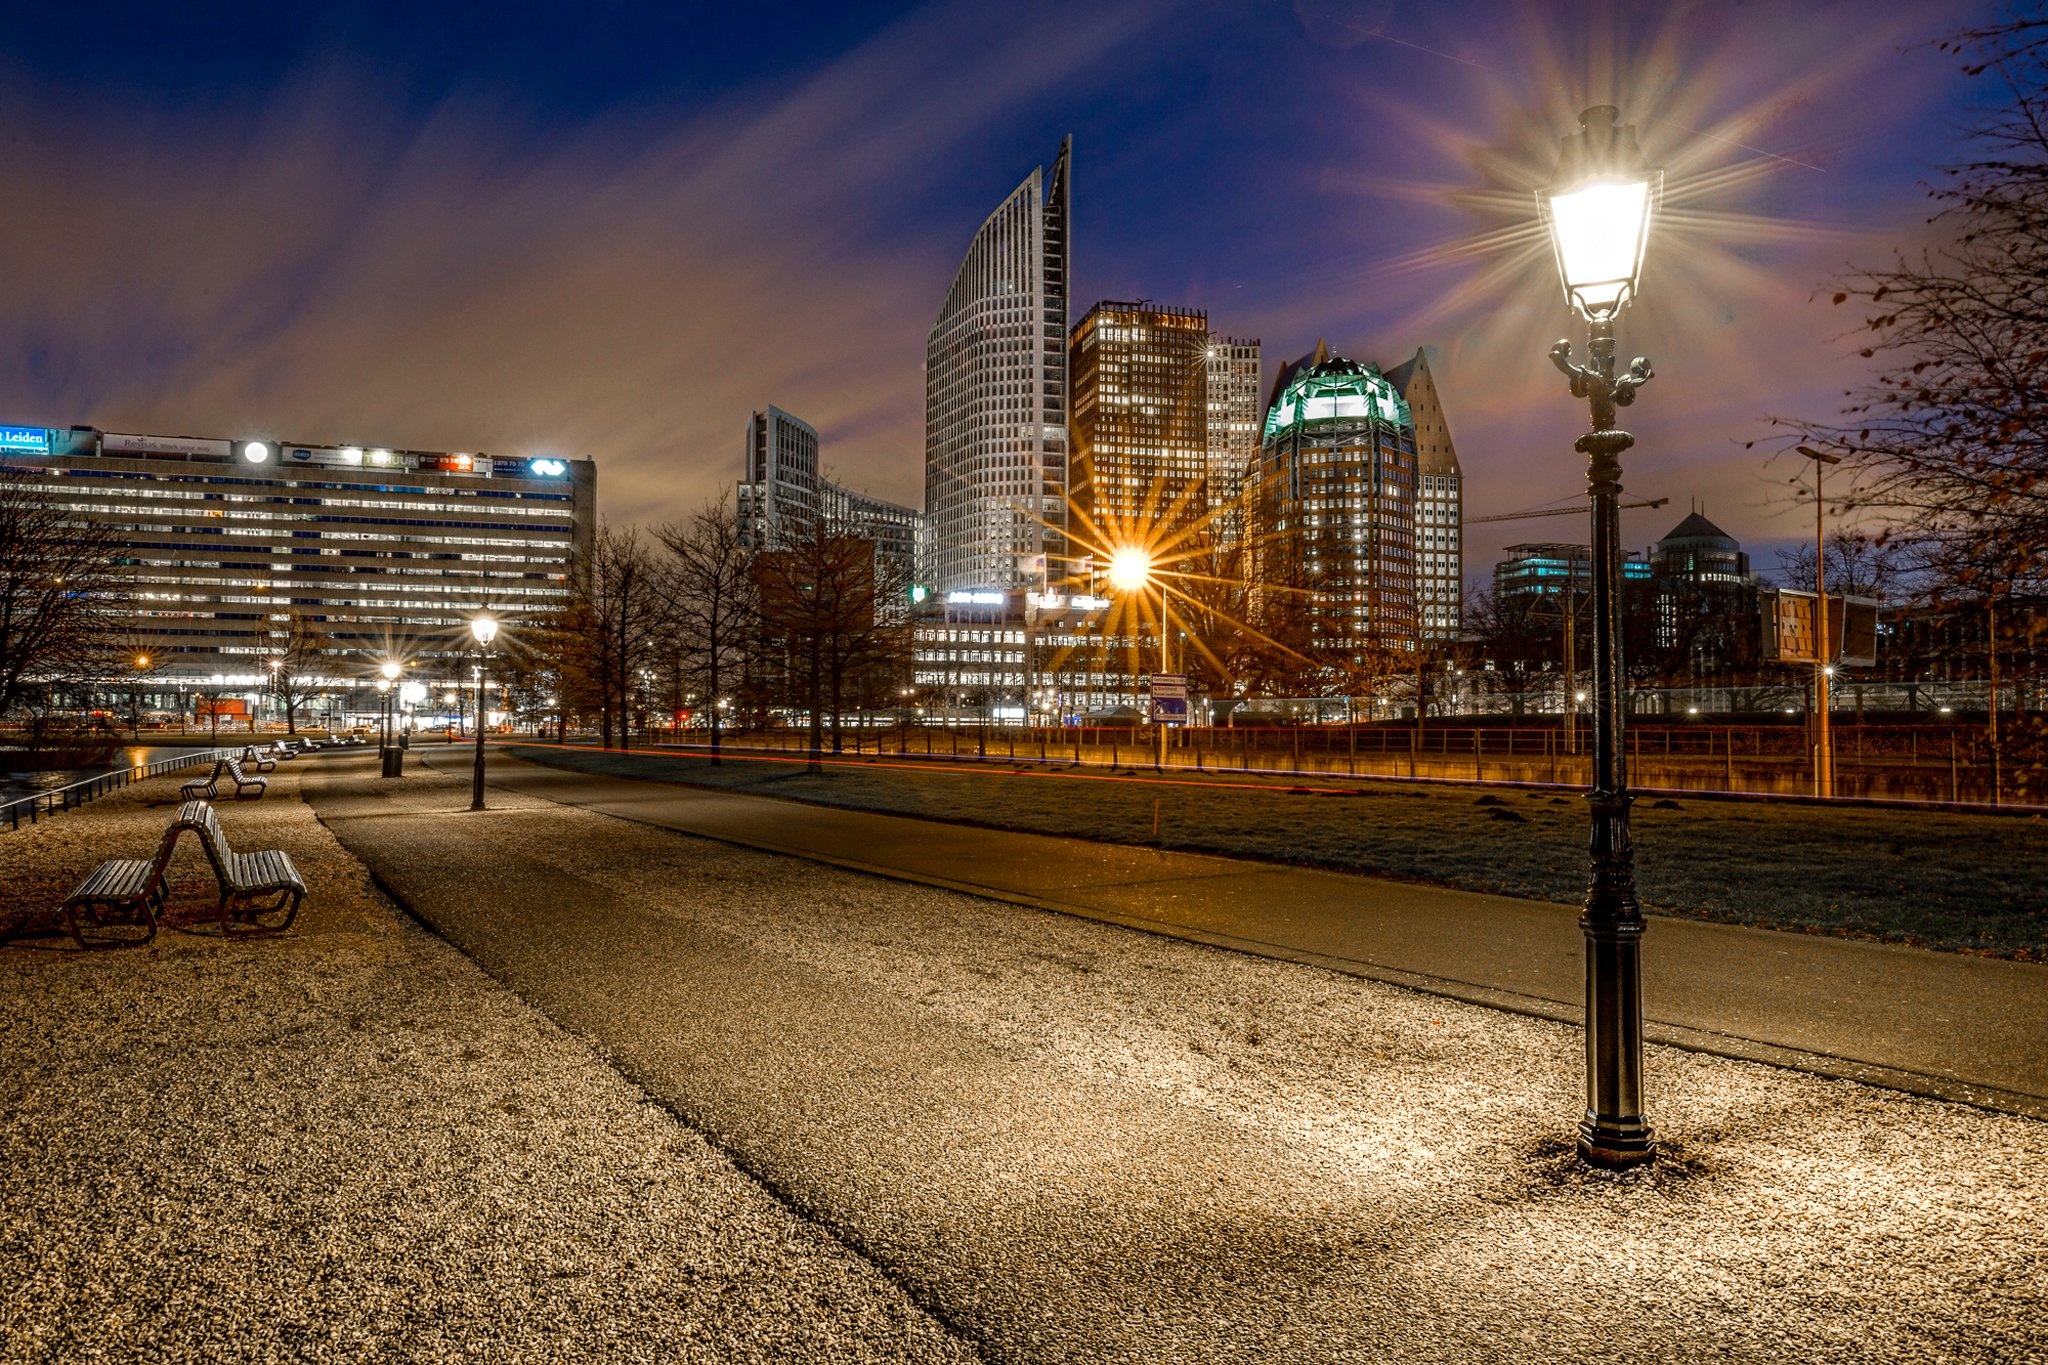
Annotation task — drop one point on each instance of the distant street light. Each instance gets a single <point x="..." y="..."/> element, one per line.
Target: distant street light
<point x="1598" y="208"/>
<point x="485" y="629"/>
<point x="1130" y="571"/>
<point x="1823" y="735"/>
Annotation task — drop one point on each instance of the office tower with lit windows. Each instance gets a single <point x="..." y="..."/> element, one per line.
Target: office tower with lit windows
<point x="1330" y="505"/>
<point x="1140" y="426"/>
<point x="1439" y="503"/>
<point x="223" y="546"/>
<point x="780" y="490"/>
<point x="784" y="494"/>
<point x="996" y="450"/>
<point x="1233" y="418"/>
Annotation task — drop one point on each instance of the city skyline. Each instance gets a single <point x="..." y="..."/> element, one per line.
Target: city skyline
<point x="485" y="253"/>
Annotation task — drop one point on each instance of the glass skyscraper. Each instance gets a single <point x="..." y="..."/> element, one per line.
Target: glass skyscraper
<point x="995" y="465"/>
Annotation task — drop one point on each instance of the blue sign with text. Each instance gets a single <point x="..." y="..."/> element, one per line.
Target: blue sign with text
<point x="28" y="440"/>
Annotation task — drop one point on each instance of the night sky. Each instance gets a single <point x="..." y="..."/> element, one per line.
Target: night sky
<point x="577" y="229"/>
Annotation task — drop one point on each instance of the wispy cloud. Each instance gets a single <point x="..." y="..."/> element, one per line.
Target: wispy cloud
<point x="327" y="267"/>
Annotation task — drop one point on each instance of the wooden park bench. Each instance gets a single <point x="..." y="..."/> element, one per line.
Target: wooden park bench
<point x="120" y="900"/>
<point x="261" y="761"/>
<point x="254" y="887"/>
<point x="208" y="787"/>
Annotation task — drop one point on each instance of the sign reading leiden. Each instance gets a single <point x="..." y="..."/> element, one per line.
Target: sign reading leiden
<point x="25" y="440"/>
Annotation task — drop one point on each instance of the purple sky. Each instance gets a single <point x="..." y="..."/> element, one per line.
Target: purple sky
<point x="568" y="231"/>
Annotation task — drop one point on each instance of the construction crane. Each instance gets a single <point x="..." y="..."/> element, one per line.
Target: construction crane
<point x="1556" y="512"/>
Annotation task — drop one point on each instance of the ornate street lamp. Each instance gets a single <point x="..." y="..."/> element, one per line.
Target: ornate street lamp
<point x="1598" y="207"/>
<point x="485" y="629"/>
<point x="390" y="671"/>
<point x="1130" y="571"/>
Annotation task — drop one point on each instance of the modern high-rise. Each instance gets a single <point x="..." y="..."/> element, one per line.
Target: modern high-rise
<point x="1439" y="503"/>
<point x="223" y="548"/>
<point x="996" y="449"/>
<point x="785" y="494"/>
<point x="1233" y="418"/>
<point x="1140" y="424"/>
<point x="780" y="490"/>
<point x="1330" y="506"/>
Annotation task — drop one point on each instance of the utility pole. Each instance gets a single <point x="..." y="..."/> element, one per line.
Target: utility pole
<point x="1823" y="669"/>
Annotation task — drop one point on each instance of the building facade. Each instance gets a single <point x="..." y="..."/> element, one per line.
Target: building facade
<point x="1439" y="506"/>
<point x="1331" y="504"/>
<point x="784" y="494"/>
<point x="1233" y="435"/>
<point x="780" y="488"/>
<point x="1140" y="425"/>
<point x="226" y="546"/>
<point x="1552" y="569"/>
<point x="996" y="444"/>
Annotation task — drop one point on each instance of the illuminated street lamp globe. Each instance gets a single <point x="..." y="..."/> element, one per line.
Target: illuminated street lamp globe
<point x="1130" y="569"/>
<point x="390" y="671"/>
<point x="1598" y="207"/>
<point x="485" y="629"/>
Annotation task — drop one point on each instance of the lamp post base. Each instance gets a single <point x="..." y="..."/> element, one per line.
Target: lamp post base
<point x="1615" y="1146"/>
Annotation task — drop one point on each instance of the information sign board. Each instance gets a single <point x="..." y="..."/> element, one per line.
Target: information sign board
<point x="1169" y="698"/>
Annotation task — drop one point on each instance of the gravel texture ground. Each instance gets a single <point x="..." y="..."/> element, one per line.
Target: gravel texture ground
<point x="1976" y="883"/>
<point x="1075" y="1142"/>
<point x="349" y="1144"/>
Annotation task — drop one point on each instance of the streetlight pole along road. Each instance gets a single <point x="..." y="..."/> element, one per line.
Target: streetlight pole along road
<point x="1598" y="208"/>
<point x="1823" y="653"/>
<point x="485" y="629"/>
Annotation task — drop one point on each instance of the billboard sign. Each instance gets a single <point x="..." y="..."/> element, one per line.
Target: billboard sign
<point x="164" y="445"/>
<point x="1169" y="698"/>
<point x="25" y="440"/>
<point x="1789" y="636"/>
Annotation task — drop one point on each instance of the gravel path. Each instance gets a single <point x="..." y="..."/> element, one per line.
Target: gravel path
<point x="350" y="1144"/>
<point x="1076" y="1142"/>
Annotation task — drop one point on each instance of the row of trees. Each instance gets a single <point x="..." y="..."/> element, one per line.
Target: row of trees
<point x="690" y="618"/>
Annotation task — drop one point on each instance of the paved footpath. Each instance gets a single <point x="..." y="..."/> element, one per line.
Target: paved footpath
<point x="1944" y="1024"/>
<point x="1071" y="1142"/>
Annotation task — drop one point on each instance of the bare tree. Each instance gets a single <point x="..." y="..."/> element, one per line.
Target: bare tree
<point x="1949" y="440"/>
<point x="611" y="628"/>
<point x="295" y="658"/>
<point x="715" y="605"/>
<point x="59" y="595"/>
<point x="825" y="609"/>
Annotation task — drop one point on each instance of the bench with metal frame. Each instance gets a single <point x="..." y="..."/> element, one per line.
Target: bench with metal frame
<point x="208" y="787"/>
<point x="120" y="901"/>
<point x="260" y="760"/>
<point x="256" y="887"/>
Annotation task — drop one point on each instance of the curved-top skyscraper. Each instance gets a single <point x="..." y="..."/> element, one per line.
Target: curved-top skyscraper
<point x="995" y="398"/>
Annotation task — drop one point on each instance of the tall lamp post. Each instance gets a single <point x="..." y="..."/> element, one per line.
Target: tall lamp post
<point x="1823" y="653"/>
<point x="1130" y="570"/>
<point x="390" y="670"/>
<point x="1598" y="207"/>
<point x="485" y="629"/>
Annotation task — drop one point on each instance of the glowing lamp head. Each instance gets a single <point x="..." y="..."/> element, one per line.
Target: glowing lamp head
<point x="256" y="452"/>
<point x="383" y="684"/>
<point x="142" y="661"/>
<point x="390" y="670"/>
<point x="1130" y="569"/>
<point x="485" y="629"/>
<point x="1598" y="207"/>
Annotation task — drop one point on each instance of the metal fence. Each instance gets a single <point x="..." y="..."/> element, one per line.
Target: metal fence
<point x="39" y="804"/>
<point x="1938" y="762"/>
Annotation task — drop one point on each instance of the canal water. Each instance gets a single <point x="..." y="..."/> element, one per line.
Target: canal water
<point x="14" y="785"/>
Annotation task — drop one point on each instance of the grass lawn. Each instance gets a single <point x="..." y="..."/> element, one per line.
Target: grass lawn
<point x="1973" y="883"/>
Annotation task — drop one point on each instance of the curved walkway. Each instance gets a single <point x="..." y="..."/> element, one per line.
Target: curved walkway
<point x="1942" y="1024"/>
